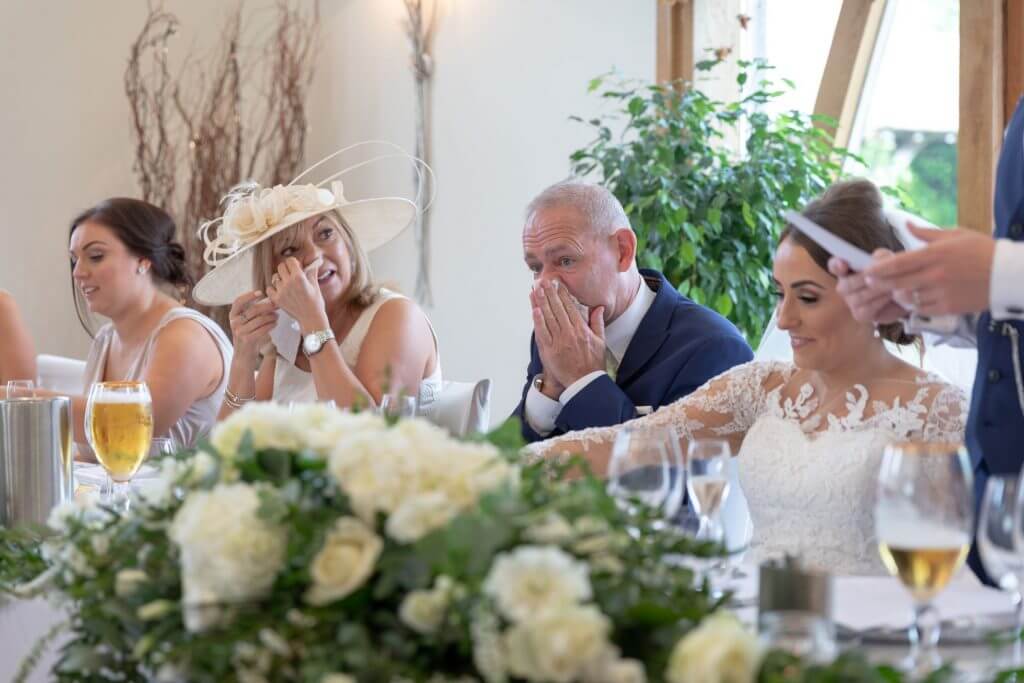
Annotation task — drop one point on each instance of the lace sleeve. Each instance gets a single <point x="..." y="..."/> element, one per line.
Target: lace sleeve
<point x="947" y="416"/>
<point x="725" y="407"/>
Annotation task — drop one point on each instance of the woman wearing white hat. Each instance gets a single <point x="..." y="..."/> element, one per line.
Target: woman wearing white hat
<point x="291" y="261"/>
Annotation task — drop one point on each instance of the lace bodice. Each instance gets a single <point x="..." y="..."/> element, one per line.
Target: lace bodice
<point x="808" y="463"/>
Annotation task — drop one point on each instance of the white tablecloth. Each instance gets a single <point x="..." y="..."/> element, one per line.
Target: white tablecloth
<point x="860" y="602"/>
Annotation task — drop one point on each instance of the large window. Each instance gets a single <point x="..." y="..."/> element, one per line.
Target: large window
<point x="906" y="124"/>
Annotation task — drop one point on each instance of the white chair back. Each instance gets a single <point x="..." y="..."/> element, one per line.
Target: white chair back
<point x="463" y="408"/>
<point x="59" y="373"/>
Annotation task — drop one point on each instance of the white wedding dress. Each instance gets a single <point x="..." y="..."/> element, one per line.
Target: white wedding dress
<point x="808" y="467"/>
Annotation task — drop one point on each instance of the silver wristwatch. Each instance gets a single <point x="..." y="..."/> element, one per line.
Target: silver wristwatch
<point x="313" y="342"/>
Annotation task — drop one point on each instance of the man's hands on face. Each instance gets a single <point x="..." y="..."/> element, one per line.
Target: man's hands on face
<point x="569" y="345"/>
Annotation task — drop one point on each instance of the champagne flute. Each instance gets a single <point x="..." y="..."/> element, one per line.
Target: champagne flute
<point x="119" y="426"/>
<point x="924" y="516"/>
<point x="398" y="406"/>
<point x="707" y="482"/>
<point x="998" y="545"/>
<point x="639" y="467"/>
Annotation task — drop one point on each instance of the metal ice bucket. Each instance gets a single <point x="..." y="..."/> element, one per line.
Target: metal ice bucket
<point x="35" y="458"/>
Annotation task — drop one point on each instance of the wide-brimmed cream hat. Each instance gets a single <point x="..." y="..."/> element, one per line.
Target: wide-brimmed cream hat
<point x="253" y="214"/>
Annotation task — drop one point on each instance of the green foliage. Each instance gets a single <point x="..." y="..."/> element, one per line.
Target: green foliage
<point x="124" y="634"/>
<point x="706" y="216"/>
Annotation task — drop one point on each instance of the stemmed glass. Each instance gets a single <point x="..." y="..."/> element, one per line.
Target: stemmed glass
<point x="997" y="528"/>
<point x="924" y="516"/>
<point x="707" y="482"/>
<point x="398" y="406"/>
<point x="20" y="388"/>
<point x="646" y="465"/>
<point x="119" y="427"/>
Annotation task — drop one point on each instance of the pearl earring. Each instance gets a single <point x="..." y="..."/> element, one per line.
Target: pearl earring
<point x="141" y="270"/>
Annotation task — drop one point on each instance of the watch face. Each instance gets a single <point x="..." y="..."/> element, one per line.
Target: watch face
<point x="311" y="343"/>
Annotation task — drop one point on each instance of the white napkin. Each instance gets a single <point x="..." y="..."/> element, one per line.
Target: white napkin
<point x="880" y="601"/>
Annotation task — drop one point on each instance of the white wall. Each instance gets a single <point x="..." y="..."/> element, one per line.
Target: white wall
<point x="509" y="73"/>
<point x="64" y="141"/>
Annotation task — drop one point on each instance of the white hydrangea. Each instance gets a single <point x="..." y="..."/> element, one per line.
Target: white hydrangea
<point x="557" y="645"/>
<point x="228" y="553"/>
<point x="312" y="426"/>
<point x="173" y="474"/>
<point x="533" y="580"/>
<point x="719" y="650"/>
<point x="83" y="507"/>
<point x="384" y="471"/>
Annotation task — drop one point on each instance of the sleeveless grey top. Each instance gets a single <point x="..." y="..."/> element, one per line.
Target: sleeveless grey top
<point x="201" y="415"/>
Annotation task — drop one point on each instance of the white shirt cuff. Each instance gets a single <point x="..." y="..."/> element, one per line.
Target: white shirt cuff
<point x="540" y="411"/>
<point x="578" y="386"/>
<point x="1006" y="294"/>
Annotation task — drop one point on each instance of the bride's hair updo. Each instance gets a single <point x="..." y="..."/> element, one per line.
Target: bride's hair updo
<point x="852" y="210"/>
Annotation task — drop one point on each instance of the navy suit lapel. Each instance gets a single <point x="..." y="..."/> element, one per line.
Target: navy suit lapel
<point x="651" y="334"/>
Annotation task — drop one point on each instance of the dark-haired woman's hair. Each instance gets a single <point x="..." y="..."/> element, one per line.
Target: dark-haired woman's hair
<point x="148" y="232"/>
<point x="852" y="210"/>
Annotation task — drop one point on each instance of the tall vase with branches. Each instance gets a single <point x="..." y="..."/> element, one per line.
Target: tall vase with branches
<point x="214" y="122"/>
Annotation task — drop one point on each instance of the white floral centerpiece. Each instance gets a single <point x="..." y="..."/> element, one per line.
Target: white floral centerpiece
<point x="309" y="544"/>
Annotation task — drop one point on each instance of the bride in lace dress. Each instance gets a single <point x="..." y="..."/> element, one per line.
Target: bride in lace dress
<point x="809" y="434"/>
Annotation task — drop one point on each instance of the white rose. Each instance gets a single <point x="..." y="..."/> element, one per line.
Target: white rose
<point x="552" y="529"/>
<point x="244" y="219"/>
<point x="719" y="650"/>
<point x="424" y="611"/>
<point x="532" y="580"/>
<point x="127" y="581"/>
<point x="488" y="649"/>
<point x="337" y="678"/>
<point x="611" y="668"/>
<point x="268" y="423"/>
<point x="419" y="515"/>
<point x="557" y="645"/>
<point x="344" y="563"/>
<point x="228" y="553"/>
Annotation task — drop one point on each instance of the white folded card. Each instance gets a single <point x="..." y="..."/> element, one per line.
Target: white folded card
<point x="857" y="258"/>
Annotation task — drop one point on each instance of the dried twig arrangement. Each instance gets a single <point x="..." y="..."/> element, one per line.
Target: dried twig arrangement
<point x="420" y="27"/>
<point x="238" y="115"/>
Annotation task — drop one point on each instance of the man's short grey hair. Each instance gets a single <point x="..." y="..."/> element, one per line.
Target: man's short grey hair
<point x="599" y="207"/>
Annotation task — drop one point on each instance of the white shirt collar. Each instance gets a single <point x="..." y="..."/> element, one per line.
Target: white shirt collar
<point x="619" y="333"/>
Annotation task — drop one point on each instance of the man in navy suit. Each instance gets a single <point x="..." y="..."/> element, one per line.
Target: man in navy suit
<point x="610" y="342"/>
<point x="981" y="278"/>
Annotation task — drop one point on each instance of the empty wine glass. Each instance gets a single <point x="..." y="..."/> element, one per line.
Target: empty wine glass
<point x="707" y="482"/>
<point x="642" y="468"/>
<point x="21" y="388"/>
<point x="397" y="406"/>
<point x="924" y="516"/>
<point x="998" y="547"/>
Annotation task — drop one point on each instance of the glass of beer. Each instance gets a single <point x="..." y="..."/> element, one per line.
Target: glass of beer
<point x="924" y="518"/>
<point x="119" y="426"/>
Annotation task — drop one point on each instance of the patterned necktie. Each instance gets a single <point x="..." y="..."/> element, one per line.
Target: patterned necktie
<point x="611" y="365"/>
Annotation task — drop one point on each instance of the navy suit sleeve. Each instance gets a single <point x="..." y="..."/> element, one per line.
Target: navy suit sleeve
<point x="534" y="369"/>
<point x="715" y="356"/>
<point x="599" y="404"/>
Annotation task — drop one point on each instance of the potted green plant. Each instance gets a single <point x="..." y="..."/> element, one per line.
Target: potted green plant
<point x="707" y="216"/>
